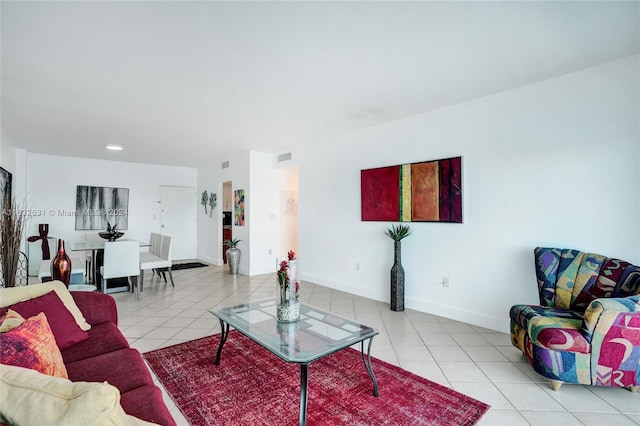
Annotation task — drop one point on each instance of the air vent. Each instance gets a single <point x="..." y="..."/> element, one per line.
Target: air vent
<point x="225" y="165"/>
<point x="284" y="157"/>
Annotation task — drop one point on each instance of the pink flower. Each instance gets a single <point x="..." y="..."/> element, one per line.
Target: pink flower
<point x="291" y="255"/>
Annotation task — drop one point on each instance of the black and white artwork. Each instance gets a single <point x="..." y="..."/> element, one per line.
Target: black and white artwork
<point x="97" y="205"/>
<point x="5" y="189"/>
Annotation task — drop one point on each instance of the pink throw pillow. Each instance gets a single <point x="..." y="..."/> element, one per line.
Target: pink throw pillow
<point x="32" y="345"/>
<point x="62" y="323"/>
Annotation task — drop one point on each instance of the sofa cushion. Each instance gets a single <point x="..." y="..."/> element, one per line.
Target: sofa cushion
<point x="124" y="369"/>
<point x="63" y="325"/>
<point x="551" y="328"/>
<point x="30" y="398"/>
<point x="10" y="296"/>
<point x="103" y="338"/>
<point x="146" y="403"/>
<point x="32" y="345"/>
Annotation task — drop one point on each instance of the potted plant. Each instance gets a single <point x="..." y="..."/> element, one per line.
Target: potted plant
<point x="233" y="255"/>
<point x="397" y="233"/>
<point x="112" y="233"/>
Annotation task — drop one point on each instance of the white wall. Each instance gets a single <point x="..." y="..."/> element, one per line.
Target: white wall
<point x="550" y="164"/>
<point x="7" y="152"/>
<point x="51" y="188"/>
<point x="272" y="233"/>
<point x="13" y="160"/>
<point x="209" y="237"/>
<point x="210" y="231"/>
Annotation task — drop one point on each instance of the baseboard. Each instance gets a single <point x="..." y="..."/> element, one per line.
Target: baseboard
<point x="211" y="260"/>
<point x="457" y="314"/>
<point x="492" y="323"/>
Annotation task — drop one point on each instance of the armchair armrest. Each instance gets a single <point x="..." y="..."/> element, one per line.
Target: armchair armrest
<point x="96" y="307"/>
<point x="601" y="314"/>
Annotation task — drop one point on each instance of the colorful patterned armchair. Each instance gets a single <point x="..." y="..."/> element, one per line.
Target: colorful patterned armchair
<point x="587" y="327"/>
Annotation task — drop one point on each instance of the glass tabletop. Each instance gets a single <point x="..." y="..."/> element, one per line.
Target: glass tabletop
<point x="99" y="244"/>
<point x="316" y="334"/>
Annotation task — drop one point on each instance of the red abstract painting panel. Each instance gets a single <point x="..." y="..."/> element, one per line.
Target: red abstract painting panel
<point x="380" y="194"/>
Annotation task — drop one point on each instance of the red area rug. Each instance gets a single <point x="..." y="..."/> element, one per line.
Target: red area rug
<point x="251" y="386"/>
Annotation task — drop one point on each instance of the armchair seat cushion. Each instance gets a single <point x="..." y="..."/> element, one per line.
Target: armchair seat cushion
<point x="551" y="328"/>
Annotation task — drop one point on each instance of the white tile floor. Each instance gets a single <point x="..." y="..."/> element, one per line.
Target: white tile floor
<point x="475" y="361"/>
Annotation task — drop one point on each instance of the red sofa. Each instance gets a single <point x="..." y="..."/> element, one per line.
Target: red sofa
<point x="106" y="356"/>
<point x="102" y="355"/>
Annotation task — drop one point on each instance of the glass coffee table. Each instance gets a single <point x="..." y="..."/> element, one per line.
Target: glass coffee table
<point x="317" y="334"/>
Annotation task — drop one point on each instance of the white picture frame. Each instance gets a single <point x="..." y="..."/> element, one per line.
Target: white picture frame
<point x="289" y="203"/>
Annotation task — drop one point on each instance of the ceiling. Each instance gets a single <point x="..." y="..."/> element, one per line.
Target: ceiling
<point x="186" y="83"/>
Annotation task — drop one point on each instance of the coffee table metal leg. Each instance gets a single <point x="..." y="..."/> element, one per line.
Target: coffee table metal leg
<point x="304" y="370"/>
<point x="367" y="363"/>
<point x="223" y="338"/>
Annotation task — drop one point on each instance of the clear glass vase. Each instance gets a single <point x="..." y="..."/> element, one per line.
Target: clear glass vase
<point x="288" y="304"/>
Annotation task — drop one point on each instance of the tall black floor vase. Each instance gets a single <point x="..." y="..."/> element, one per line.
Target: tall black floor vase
<point x="397" y="279"/>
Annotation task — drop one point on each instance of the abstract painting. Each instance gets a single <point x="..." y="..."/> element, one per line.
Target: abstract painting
<point x="429" y="191"/>
<point x="238" y="204"/>
<point x="97" y="205"/>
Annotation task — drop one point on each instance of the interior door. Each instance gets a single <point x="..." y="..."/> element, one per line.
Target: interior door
<point x="178" y="219"/>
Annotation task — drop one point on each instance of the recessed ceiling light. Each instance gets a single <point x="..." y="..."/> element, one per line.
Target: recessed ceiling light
<point x="112" y="147"/>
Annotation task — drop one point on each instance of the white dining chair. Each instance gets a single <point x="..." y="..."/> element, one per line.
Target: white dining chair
<point x="121" y="259"/>
<point x="155" y="241"/>
<point x="158" y="262"/>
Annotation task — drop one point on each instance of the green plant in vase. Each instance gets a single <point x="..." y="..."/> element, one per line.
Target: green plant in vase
<point x="112" y="229"/>
<point x="398" y="232"/>
<point x="232" y="243"/>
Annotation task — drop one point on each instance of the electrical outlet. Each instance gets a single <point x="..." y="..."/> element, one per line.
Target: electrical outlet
<point x="269" y="252"/>
<point x="357" y="266"/>
<point x="445" y="281"/>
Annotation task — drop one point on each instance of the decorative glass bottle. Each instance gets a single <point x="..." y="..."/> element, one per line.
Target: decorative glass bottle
<point x="288" y="309"/>
<point x="61" y="265"/>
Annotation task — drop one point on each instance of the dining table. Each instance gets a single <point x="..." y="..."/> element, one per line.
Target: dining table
<point x="96" y="247"/>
